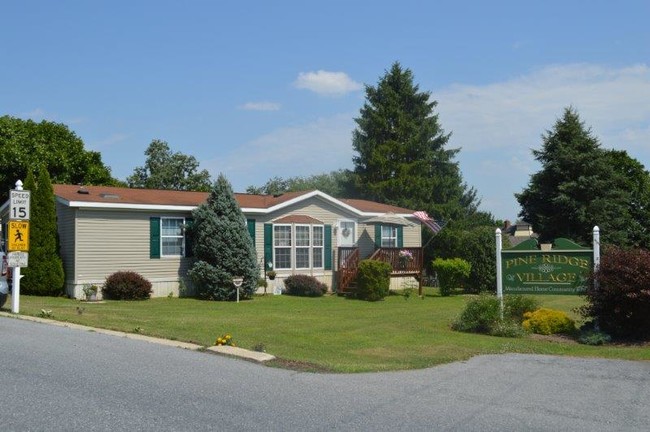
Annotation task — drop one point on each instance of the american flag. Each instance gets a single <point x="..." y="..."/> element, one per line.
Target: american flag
<point x="423" y="217"/>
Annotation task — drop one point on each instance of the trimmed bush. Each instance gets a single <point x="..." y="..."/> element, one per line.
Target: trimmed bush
<point x="452" y="273"/>
<point x="482" y="314"/>
<point x="304" y="286"/>
<point x="620" y="303"/>
<point x="126" y="285"/>
<point x="548" y="321"/>
<point x="373" y="280"/>
<point x="515" y="306"/>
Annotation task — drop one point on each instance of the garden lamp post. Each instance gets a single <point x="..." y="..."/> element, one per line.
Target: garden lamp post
<point x="237" y="281"/>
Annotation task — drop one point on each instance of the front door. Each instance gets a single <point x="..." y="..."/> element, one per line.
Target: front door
<point x="347" y="233"/>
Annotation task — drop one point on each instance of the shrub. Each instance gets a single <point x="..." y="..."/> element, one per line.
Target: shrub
<point x="620" y="303"/>
<point x="482" y="314"/>
<point x="373" y="280"/>
<point x="594" y="337"/>
<point x="452" y="273"/>
<point x="507" y="328"/>
<point x="548" y="321"/>
<point x="515" y="306"/>
<point x="474" y="244"/>
<point x="304" y="285"/>
<point x="126" y="285"/>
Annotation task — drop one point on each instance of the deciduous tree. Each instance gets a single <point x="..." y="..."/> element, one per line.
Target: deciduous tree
<point x="335" y="183"/>
<point x="26" y="145"/>
<point x="165" y="169"/>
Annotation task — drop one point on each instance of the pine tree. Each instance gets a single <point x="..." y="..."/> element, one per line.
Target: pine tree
<point x="581" y="185"/>
<point x="402" y="157"/>
<point x="44" y="274"/>
<point x="222" y="246"/>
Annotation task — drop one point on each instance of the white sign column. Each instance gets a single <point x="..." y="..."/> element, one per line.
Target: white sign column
<point x="499" y="274"/>
<point x="19" y="209"/>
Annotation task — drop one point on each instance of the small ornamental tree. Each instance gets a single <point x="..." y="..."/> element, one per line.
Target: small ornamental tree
<point x="222" y="246"/>
<point x="44" y="275"/>
<point x="618" y="294"/>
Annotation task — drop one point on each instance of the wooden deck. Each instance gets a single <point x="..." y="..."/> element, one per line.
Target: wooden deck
<point x="404" y="262"/>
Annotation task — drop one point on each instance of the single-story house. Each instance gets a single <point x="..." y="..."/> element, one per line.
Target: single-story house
<point x="107" y="229"/>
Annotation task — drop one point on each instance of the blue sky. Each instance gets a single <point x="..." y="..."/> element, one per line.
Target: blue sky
<point x="256" y="89"/>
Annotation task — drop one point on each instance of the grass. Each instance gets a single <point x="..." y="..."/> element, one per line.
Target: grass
<point x="328" y="333"/>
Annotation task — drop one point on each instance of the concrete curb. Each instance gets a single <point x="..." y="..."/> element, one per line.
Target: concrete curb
<point x="240" y="352"/>
<point x="224" y="350"/>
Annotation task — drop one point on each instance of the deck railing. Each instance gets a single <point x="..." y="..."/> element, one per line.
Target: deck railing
<point x="406" y="260"/>
<point x="348" y="263"/>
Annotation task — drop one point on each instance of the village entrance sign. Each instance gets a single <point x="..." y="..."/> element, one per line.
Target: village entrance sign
<point x="562" y="269"/>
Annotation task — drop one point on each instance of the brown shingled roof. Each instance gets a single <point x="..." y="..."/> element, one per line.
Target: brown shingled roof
<point x="130" y="196"/>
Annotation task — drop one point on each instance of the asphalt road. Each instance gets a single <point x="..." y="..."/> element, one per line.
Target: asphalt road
<point x="63" y="379"/>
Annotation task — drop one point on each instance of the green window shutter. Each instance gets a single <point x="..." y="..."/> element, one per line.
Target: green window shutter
<point x="327" y="246"/>
<point x="400" y="236"/>
<point x="377" y="236"/>
<point x="250" y="223"/>
<point x="154" y="237"/>
<point x="268" y="244"/>
<point x="189" y="243"/>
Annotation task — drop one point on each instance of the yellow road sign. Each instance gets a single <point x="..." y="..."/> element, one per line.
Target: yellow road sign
<point x="18" y="236"/>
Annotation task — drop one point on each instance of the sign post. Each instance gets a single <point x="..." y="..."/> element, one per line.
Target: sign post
<point x="18" y="237"/>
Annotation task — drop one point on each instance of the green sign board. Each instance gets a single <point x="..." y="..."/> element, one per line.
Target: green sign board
<point x="562" y="270"/>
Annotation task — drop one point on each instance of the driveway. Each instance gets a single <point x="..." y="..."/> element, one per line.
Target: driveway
<point x="63" y="379"/>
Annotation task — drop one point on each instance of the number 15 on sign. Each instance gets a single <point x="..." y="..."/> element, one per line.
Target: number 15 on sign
<point x="19" y="204"/>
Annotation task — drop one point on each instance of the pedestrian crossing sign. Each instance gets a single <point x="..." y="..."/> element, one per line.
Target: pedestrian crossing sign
<point x="18" y="236"/>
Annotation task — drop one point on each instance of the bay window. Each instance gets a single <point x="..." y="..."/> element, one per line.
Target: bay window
<point x="298" y="246"/>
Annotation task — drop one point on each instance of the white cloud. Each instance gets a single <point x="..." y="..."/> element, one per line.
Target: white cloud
<point x="497" y="125"/>
<point x="327" y="83"/>
<point x="313" y="148"/>
<point x="260" y="106"/>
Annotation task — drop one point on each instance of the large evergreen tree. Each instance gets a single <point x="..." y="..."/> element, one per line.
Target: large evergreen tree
<point x="581" y="185"/>
<point x="165" y="169"/>
<point x="44" y="273"/>
<point x="25" y="145"/>
<point x="222" y="246"/>
<point x="401" y="155"/>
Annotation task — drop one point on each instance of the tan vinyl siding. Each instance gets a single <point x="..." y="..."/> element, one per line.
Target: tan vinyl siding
<point x="110" y="241"/>
<point x="413" y="235"/>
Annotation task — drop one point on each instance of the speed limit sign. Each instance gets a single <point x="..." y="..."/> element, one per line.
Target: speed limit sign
<point x="19" y="204"/>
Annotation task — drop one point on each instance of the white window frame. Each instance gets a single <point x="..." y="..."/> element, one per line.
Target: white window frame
<point x="389" y="240"/>
<point x="315" y="247"/>
<point x="294" y="247"/>
<point x="297" y="247"/>
<point x="163" y="237"/>
<point x="276" y="247"/>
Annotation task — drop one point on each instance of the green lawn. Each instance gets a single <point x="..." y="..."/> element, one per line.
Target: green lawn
<point x="330" y="332"/>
